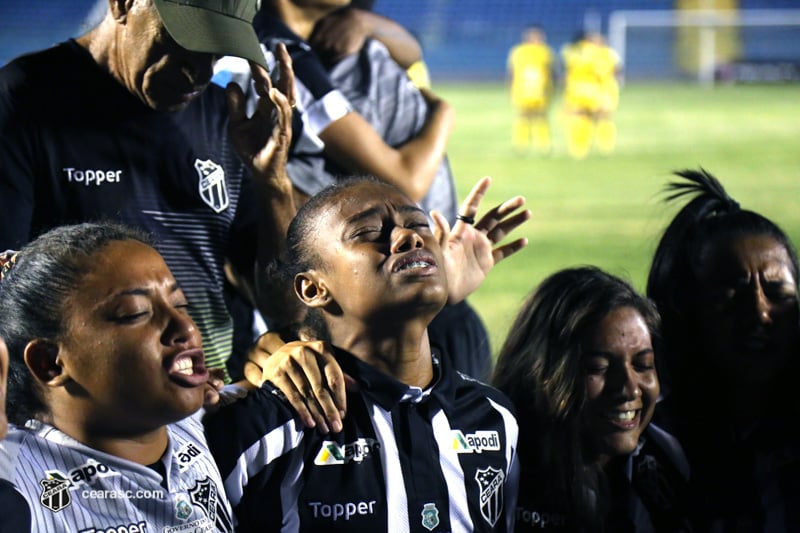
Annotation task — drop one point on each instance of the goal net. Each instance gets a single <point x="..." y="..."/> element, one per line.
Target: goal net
<point x="708" y="45"/>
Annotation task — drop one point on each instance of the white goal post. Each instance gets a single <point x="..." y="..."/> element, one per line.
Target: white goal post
<point x="707" y="21"/>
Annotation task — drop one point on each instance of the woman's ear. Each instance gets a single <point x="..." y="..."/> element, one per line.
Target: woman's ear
<point x="311" y="289"/>
<point x="42" y="359"/>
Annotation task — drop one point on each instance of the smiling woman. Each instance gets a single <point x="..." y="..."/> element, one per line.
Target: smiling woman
<point x="621" y="382"/>
<point x="106" y="371"/>
<point x="579" y="365"/>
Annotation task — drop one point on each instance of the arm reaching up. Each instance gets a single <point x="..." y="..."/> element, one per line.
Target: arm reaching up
<point x="469" y="247"/>
<point x="262" y="141"/>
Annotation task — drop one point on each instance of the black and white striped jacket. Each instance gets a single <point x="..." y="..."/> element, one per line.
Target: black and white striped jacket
<point x="408" y="460"/>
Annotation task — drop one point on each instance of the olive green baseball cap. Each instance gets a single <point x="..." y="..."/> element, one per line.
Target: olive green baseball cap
<point x="219" y="27"/>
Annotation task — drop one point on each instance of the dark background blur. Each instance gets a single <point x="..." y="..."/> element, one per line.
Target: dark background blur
<point x="469" y="39"/>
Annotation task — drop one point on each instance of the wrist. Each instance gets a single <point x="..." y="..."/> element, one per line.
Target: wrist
<point x="273" y="180"/>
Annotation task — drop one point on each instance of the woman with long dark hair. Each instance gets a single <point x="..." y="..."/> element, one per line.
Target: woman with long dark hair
<point x="725" y="281"/>
<point x="579" y="365"/>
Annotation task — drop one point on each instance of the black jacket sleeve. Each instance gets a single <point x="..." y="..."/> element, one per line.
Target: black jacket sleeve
<point x="14" y="510"/>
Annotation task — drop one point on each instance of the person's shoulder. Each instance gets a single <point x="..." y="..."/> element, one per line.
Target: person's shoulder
<point x="13" y="447"/>
<point x="259" y="420"/>
<point x="18" y="437"/>
<point x="27" y="83"/>
<point x="40" y="63"/>
<point x="609" y="53"/>
<point x="189" y="427"/>
<point x="469" y="386"/>
<point x="14" y="508"/>
<point x="669" y="446"/>
<point x="375" y="52"/>
<point x="375" y="48"/>
<point x="29" y="78"/>
<point x="9" y="450"/>
<point x="373" y="57"/>
<point x="260" y="410"/>
<point x="35" y="57"/>
<point x="266" y="395"/>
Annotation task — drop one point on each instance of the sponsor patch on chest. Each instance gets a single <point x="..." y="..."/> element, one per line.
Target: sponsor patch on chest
<point x="341" y="510"/>
<point x="332" y="453"/>
<point x="478" y="442"/>
<point x="85" y="473"/>
<point x="187" y="455"/>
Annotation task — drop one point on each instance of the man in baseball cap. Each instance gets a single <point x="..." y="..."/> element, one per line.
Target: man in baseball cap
<point x="219" y="27"/>
<point x="123" y="123"/>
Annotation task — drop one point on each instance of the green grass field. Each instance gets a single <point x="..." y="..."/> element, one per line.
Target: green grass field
<point x="607" y="211"/>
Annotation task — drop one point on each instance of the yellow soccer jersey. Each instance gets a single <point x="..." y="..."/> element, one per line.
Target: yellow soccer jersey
<point x="582" y="90"/>
<point x="530" y="65"/>
<point x="606" y="64"/>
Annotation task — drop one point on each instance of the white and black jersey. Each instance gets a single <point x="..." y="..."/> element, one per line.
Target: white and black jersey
<point x="408" y="460"/>
<point x="77" y="146"/>
<point x="64" y="486"/>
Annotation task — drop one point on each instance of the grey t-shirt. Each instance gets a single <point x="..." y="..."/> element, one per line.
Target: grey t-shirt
<point x="381" y="92"/>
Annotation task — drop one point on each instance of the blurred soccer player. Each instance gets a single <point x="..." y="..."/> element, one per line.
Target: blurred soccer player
<point x="607" y="65"/>
<point x="591" y="94"/>
<point x="530" y="68"/>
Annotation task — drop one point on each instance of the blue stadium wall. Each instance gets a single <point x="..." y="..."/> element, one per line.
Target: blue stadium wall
<point x="469" y="39"/>
<point x="462" y="39"/>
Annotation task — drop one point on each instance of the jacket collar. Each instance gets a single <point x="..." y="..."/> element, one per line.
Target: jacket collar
<point x="388" y="392"/>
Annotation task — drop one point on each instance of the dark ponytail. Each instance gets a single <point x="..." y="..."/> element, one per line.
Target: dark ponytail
<point x="711" y="215"/>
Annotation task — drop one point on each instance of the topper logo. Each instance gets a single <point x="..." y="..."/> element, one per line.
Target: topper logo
<point x="344" y="511"/>
<point x="92" y="177"/>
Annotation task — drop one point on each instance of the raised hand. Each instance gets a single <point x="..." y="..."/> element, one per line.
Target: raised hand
<point x="262" y="140"/>
<point x="469" y="248"/>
